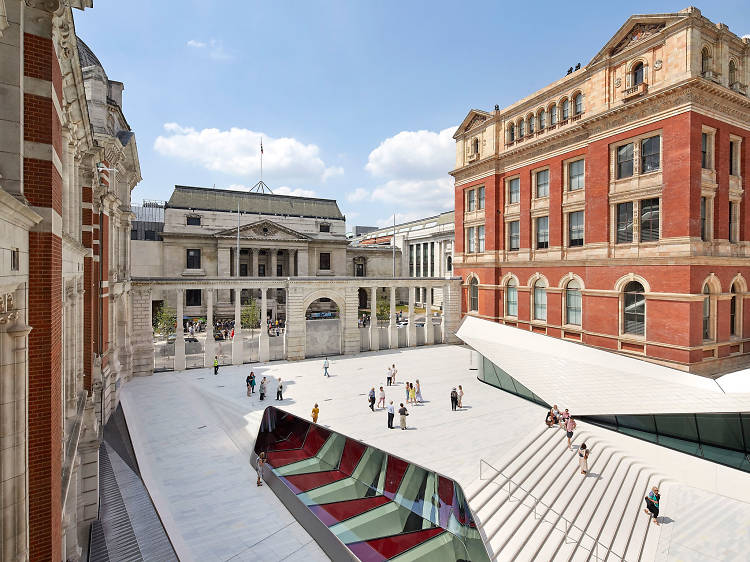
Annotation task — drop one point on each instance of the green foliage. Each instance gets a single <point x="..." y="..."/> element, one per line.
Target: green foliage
<point x="250" y="315"/>
<point x="383" y="309"/>
<point x="165" y="320"/>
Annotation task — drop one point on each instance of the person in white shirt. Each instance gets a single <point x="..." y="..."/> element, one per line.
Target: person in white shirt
<point x="389" y="376"/>
<point x="393" y="374"/>
<point x="391" y="412"/>
<point x="326" y="364"/>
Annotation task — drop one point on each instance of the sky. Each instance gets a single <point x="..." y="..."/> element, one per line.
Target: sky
<point x="354" y="101"/>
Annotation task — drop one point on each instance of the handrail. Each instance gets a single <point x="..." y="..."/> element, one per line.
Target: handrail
<point x="568" y="524"/>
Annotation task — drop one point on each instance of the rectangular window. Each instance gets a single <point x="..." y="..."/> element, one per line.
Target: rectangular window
<point x="624" y="222"/>
<point x="419" y="260"/>
<point x="15" y="259"/>
<point x="733" y="158"/>
<point x="650" y="160"/>
<point x="193" y="259"/>
<point x="149" y="235"/>
<point x="194" y="221"/>
<point x="649" y="220"/>
<point x="325" y="261"/>
<point x="134" y="234"/>
<point x="576" y="175"/>
<point x="480" y="238"/>
<point x="425" y="270"/>
<point x="261" y="270"/>
<point x="480" y="198"/>
<point x="704" y="151"/>
<point x="192" y="297"/>
<point x="432" y="255"/>
<point x="511" y="298"/>
<point x="514" y="235"/>
<point x="243" y="270"/>
<point x="470" y="200"/>
<point x="325" y="227"/>
<point x="542" y="183"/>
<point x="514" y="190"/>
<point x="575" y="228"/>
<point x="279" y="270"/>
<point x="573" y="307"/>
<point x="733" y="221"/>
<point x="704" y="219"/>
<point x="625" y="161"/>
<point x="411" y="259"/>
<point x="471" y="248"/>
<point x="542" y="232"/>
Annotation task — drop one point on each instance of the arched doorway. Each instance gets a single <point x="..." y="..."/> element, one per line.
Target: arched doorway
<point x="323" y="330"/>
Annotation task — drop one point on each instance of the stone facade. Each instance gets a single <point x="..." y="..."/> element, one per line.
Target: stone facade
<point x="61" y="226"/>
<point x="613" y="201"/>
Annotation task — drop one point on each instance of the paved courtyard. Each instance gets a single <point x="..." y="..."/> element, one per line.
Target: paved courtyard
<point x="193" y="432"/>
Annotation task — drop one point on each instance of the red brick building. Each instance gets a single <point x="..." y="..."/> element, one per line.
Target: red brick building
<point x="610" y="207"/>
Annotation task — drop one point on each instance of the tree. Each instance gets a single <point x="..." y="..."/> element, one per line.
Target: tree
<point x="165" y="320"/>
<point x="383" y="309"/>
<point x="250" y="315"/>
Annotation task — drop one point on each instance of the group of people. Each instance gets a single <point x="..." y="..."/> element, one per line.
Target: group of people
<point x="250" y="381"/>
<point x="565" y="421"/>
<point x="457" y="397"/>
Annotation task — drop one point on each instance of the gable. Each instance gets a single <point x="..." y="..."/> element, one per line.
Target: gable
<point x="638" y="33"/>
<point x="263" y="230"/>
<point x="474" y="118"/>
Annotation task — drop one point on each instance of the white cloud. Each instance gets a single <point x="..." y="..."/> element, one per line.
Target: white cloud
<point x="298" y="192"/>
<point x="214" y="48"/>
<point x="359" y="194"/>
<point x="431" y="195"/>
<point x="400" y="218"/>
<point x="237" y="152"/>
<point x="332" y="172"/>
<point x="414" y="155"/>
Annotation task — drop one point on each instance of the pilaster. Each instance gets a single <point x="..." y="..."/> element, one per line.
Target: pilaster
<point x="392" y="328"/>
<point x="237" y="341"/>
<point x="412" y="327"/>
<point x="374" y="333"/>
<point x="264" y="352"/>
<point x="179" y="341"/>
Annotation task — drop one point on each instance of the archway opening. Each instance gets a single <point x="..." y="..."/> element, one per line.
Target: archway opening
<point x="323" y="330"/>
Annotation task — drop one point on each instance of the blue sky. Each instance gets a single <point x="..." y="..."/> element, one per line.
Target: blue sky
<point x="355" y="101"/>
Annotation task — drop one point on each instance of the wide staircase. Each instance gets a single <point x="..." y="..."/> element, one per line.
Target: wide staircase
<point x="536" y="505"/>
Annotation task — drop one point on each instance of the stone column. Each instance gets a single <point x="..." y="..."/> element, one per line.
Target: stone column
<point x="223" y="269"/>
<point x="264" y="352"/>
<point x="210" y="345"/>
<point x="428" y="247"/>
<point x="374" y="334"/>
<point x="179" y="342"/>
<point x="412" y="328"/>
<point x="429" y="331"/>
<point x="274" y="256"/>
<point x="351" y="343"/>
<point x="254" y="270"/>
<point x="451" y="310"/>
<point x="142" y="332"/>
<point x="392" y="328"/>
<point x="303" y="262"/>
<point x="413" y="250"/>
<point x="237" y="341"/>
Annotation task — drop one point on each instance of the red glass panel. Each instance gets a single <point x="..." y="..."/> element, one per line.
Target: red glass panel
<point x="332" y="513"/>
<point x="306" y="482"/>
<point x="353" y="451"/>
<point x="376" y="550"/>
<point x="394" y="474"/>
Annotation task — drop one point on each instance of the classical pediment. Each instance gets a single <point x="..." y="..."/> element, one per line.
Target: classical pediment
<point x="263" y="230"/>
<point x="474" y="118"/>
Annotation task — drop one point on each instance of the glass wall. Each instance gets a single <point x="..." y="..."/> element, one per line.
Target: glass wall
<point x="719" y="437"/>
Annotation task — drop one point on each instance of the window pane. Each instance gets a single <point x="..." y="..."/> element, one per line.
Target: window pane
<point x="511" y="298"/>
<point x="531" y="124"/>
<point x="634" y="309"/>
<point x="638" y="74"/>
<point x="193" y="259"/>
<point x="515" y="235"/>
<point x="649" y="220"/>
<point x="640" y="423"/>
<point x="624" y="222"/>
<point x="704" y="151"/>
<point x="542" y="119"/>
<point x="194" y="221"/>
<point x="542" y="232"/>
<point x="480" y="202"/>
<point x="573" y="306"/>
<point x="553" y="115"/>
<point x="542" y="183"/>
<point x="576" y="171"/>
<point x="540" y="301"/>
<point x="470" y="201"/>
<point x="474" y="294"/>
<point x="565" y="109"/>
<point x="480" y="236"/>
<point x="521" y="128"/>
<point x="722" y="430"/>
<point x="681" y="426"/>
<point x="325" y="260"/>
<point x="704" y="217"/>
<point x="469" y="240"/>
<point x="575" y="228"/>
<point x="579" y="104"/>
<point x="514" y="190"/>
<point x="732" y="146"/>
<point x="650" y="154"/>
<point x="625" y="161"/>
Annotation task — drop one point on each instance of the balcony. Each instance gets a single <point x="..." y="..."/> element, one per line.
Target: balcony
<point x="635" y="91"/>
<point x="473" y="157"/>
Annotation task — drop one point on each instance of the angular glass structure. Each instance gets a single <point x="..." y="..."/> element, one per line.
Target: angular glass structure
<point x="379" y="506"/>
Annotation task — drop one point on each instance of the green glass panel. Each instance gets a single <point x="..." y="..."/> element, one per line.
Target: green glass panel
<point x="523" y="391"/>
<point x="645" y="435"/>
<point x="641" y="423"/>
<point x="506" y="382"/>
<point x="722" y="430"/>
<point x="717" y="454"/>
<point x="746" y="430"/>
<point x="681" y="426"/>
<point x="689" y="447"/>
<point x="490" y="375"/>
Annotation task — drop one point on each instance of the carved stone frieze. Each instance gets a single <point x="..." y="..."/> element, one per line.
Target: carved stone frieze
<point x="639" y="32"/>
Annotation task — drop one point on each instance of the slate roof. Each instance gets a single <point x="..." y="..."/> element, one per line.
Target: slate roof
<point x="86" y="55"/>
<point x="208" y="199"/>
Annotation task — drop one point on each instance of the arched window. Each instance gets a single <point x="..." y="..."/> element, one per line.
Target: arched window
<point x="475" y="146"/>
<point x="530" y="121"/>
<point x="542" y="119"/>
<point x="521" y="128"/>
<point x="706" y="312"/>
<point x="512" y="132"/>
<point x="473" y="294"/>
<point x="573" y="303"/>
<point x="705" y="60"/>
<point x="637" y="75"/>
<point x="634" y="309"/>
<point x="732" y="72"/>
<point x="449" y="263"/>
<point x="578" y="102"/>
<point x="552" y="114"/>
<point x="565" y="109"/>
<point x="511" y="298"/>
<point x="733" y="328"/>
<point x="540" y="300"/>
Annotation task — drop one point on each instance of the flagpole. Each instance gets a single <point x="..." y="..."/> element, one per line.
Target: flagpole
<point x="393" y="243"/>
<point x="261" y="159"/>
<point x="237" y="260"/>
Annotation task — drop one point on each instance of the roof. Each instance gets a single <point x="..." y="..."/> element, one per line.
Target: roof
<point x="591" y="381"/>
<point x="86" y="55"/>
<point x="447" y="217"/>
<point x="207" y="199"/>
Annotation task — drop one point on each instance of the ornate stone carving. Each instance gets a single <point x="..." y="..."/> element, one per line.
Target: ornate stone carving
<point x="7" y="314"/>
<point x="658" y="64"/>
<point x="474" y="122"/>
<point x="639" y="32"/>
<point x="618" y="82"/>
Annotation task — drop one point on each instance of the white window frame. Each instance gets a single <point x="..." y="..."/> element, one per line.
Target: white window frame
<point x="710" y="148"/>
<point x="569" y="177"/>
<point x="507" y="190"/>
<point x="534" y="185"/>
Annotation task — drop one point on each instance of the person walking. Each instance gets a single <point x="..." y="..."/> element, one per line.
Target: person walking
<point x="402" y="413"/>
<point x="393" y="374"/>
<point x="262" y="388"/>
<point x="280" y="390"/>
<point x="564" y="417"/>
<point x="454" y="399"/>
<point x="407" y="392"/>
<point x="388" y="377"/>
<point x="570" y="426"/>
<point x="247" y="382"/>
<point x="419" y="392"/>
<point x="391" y="412"/>
<point x="652" y="504"/>
<point x="371" y="398"/>
<point x="326" y="364"/>
<point x="381" y="397"/>
<point x="261" y="464"/>
<point x="315" y="412"/>
<point x="583" y="458"/>
<point x="412" y="394"/>
<point x="460" y="396"/>
<point x="216" y="364"/>
<point x="252" y="382"/>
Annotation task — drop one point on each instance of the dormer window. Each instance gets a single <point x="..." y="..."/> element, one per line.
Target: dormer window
<point x="637" y="74"/>
<point x="193" y="220"/>
<point x="325" y="227"/>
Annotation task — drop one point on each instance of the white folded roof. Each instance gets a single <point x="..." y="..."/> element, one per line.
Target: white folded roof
<point x="591" y="381"/>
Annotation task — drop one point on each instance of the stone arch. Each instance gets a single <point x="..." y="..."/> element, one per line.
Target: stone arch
<point x="570" y="276"/>
<point x="507" y="277"/>
<point x="625" y="279"/>
<point x="471" y="275"/>
<point x="325" y="348"/>
<point x="713" y="283"/>
<point x="741" y="283"/>
<point x="536" y="277"/>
